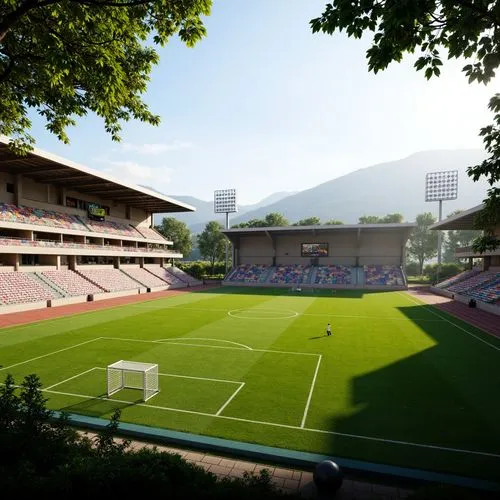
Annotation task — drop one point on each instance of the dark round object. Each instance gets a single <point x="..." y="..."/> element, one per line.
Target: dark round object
<point x="327" y="477"/>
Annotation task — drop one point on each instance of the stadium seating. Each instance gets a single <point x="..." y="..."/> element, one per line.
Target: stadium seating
<point x="108" y="227"/>
<point x="145" y="277"/>
<point x="249" y="273"/>
<point x="72" y="283"/>
<point x="476" y="281"/>
<point x="292" y="274"/>
<point x="110" y="280"/>
<point x="163" y="274"/>
<point x="183" y="276"/>
<point x="39" y="217"/>
<point x="490" y="292"/>
<point x="383" y="275"/>
<point x="18" y="288"/>
<point x="459" y="277"/>
<point x="333" y="275"/>
<point x="149" y="233"/>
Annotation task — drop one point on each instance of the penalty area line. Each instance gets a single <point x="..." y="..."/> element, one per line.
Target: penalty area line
<point x="285" y="426"/>
<point x="221" y="409"/>
<point x="313" y="383"/>
<point x="50" y="354"/>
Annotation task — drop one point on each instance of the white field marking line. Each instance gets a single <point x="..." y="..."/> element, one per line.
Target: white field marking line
<point x="298" y="314"/>
<point x="230" y="399"/>
<point x="311" y="392"/>
<point x="450" y="322"/>
<point x="373" y="317"/>
<point x="285" y="426"/>
<point x="188" y="376"/>
<point x="212" y="346"/>
<point x="50" y="354"/>
<point x="233" y="313"/>
<point x="71" y="378"/>
<point x="204" y="338"/>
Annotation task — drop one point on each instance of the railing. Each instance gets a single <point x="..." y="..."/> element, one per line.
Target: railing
<point x="11" y="240"/>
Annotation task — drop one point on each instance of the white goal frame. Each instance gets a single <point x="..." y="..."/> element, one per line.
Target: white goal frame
<point x="133" y="375"/>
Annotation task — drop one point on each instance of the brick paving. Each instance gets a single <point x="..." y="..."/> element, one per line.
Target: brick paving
<point x="22" y="317"/>
<point x="292" y="481"/>
<point x="486" y="321"/>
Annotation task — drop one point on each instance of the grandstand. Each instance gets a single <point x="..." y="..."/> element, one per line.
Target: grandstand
<point x="344" y="256"/>
<point x="480" y="282"/>
<point x="69" y="233"/>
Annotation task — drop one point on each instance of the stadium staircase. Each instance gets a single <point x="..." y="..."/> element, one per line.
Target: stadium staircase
<point x="145" y="277"/>
<point x="312" y="276"/>
<point x="59" y="293"/>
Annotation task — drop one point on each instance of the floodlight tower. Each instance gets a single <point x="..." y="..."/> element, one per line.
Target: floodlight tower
<point x="441" y="186"/>
<point x="225" y="203"/>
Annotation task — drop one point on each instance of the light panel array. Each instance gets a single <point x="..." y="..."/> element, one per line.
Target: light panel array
<point x="441" y="186"/>
<point x="225" y="201"/>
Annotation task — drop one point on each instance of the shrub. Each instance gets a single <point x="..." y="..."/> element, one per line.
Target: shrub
<point x="446" y="271"/>
<point x="40" y="457"/>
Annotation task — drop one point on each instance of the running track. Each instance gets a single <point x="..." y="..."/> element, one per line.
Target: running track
<point x="486" y="321"/>
<point x="490" y="323"/>
<point x="23" y="317"/>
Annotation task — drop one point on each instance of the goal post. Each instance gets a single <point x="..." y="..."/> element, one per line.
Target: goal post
<point x="133" y="375"/>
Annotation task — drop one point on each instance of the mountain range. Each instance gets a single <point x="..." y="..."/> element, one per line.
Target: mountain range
<point x="396" y="186"/>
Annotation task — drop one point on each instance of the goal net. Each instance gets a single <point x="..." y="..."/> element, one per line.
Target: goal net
<point x="133" y="375"/>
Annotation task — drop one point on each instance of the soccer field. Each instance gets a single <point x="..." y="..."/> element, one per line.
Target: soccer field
<point x="398" y="382"/>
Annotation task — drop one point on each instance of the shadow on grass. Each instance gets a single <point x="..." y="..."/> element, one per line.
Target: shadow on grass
<point x="443" y="395"/>
<point x="287" y="292"/>
<point x="98" y="407"/>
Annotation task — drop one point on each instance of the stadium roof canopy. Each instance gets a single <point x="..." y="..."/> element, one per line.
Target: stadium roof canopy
<point x="463" y="220"/>
<point x="232" y="234"/>
<point x="51" y="169"/>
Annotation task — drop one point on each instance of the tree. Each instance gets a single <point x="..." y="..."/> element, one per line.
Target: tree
<point x="387" y="219"/>
<point x="309" y="221"/>
<point x="66" y="59"/>
<point x="456" y="239"/>
<point x="423" y="241"/>
<point x="178" y="232"/>
<point x="212" y="243"/>
<point x="270" y="220"/>
<point x="275" y="220"/>
<point x="368" y="219"/>
<point x="464" y="29"/>
<point x="334" y="222"/>
<point x="393" y="218"/>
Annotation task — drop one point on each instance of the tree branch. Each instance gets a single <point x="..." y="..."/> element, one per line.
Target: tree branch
<point x="7" y="70"/>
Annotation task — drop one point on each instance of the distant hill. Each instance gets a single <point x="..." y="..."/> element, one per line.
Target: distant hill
<point x="205" y="210"/>
<point x="396" y="186"/>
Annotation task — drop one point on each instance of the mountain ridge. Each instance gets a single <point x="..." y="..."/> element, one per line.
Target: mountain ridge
<point x="386" y="187"/>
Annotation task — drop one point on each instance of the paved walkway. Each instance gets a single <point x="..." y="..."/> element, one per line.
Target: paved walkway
<point x="287" y="480"/>
<point x="23" y="317"/>
<point x="486" y="321"/>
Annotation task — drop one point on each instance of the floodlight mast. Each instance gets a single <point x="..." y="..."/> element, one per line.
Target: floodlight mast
<point x="441" y="186"/>
<point x="225" y="203"/>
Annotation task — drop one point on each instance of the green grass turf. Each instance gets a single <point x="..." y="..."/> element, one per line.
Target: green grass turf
<point x="392" y="370"/>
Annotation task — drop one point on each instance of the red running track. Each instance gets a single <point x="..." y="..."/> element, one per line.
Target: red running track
<point x="23" y="317"/>
<point x="486" y="321"/>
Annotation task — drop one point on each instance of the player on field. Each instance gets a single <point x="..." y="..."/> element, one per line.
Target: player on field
<point x="328" y="329"/>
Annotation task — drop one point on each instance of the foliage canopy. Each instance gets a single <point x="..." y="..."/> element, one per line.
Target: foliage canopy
<point x="434" y="29"/>
<point x="66" y="58"/>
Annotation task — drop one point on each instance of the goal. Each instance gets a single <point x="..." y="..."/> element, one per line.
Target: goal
<point x="133" y="375"/>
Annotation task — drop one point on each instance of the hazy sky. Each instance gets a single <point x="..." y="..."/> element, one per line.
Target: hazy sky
<point x="263" y="105"/>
